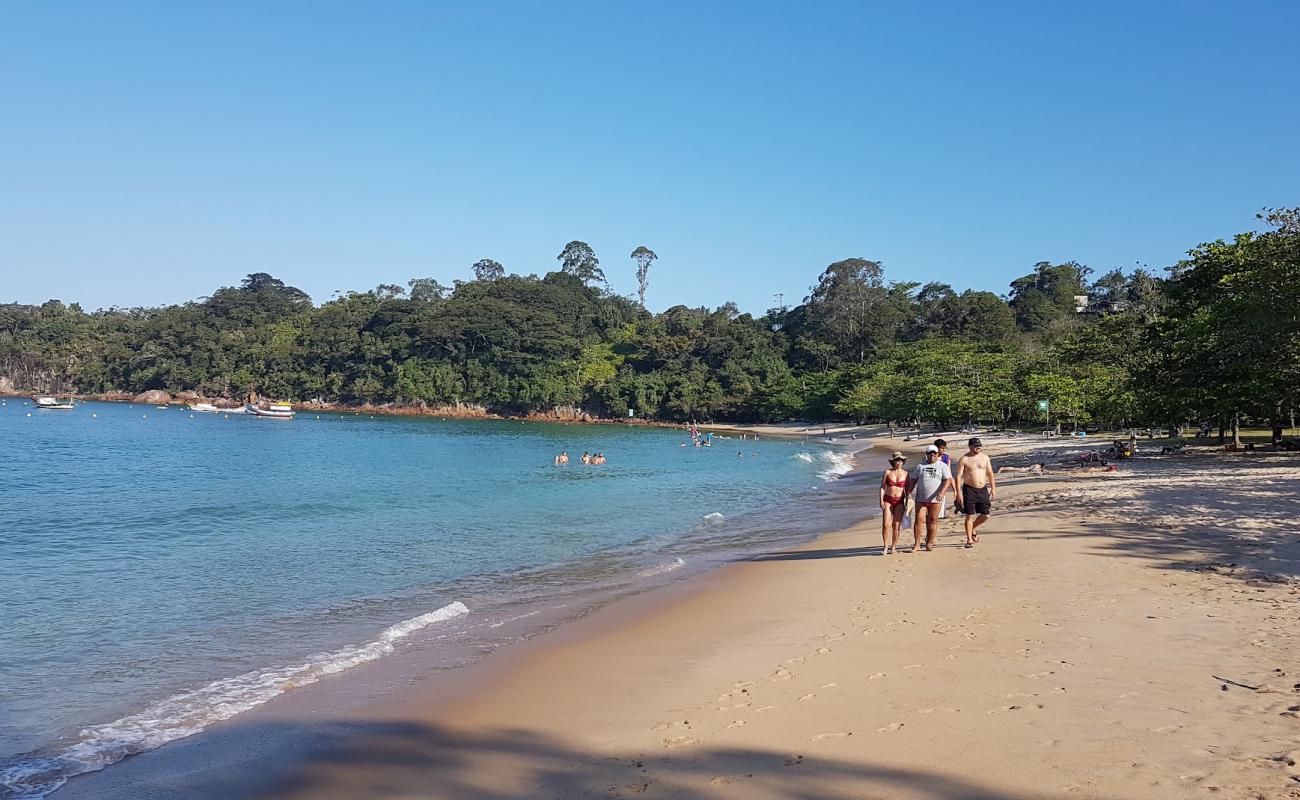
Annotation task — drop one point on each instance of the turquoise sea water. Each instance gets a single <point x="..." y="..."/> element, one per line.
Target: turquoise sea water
<point x="163" y="569"/>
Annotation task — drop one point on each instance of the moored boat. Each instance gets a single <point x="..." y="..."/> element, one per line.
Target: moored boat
<point x="272" y="410"/>
<point x="206" y="408"/>
<point x="52" y="403"/>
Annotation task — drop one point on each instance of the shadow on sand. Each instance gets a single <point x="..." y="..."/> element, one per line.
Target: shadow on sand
<point x="389" y="760"/>
<point x="1238" y="518"/>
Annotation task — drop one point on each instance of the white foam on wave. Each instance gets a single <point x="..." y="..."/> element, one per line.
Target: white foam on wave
<point x="714" y="516"/>
<point x="189" y="712"/>
<point x="833" y="463"/>
<point x="837" y="463"/>
<point x="662" y="569"/>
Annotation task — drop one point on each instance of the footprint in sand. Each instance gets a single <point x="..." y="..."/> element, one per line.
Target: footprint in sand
<point x="794" y="761"/>
<point x="723" y="780"/>
<point x="875" y="676"/>
<point x="681" y="741"/>
<point x="765" y="708"/>
<point x="821" y="651"/>
<point x="679" y="725"/>
<point x="1167" y="729"/>
<point x="933" y="710"/>
<point x="809" y="696"/>
<point x="830" y="685"/>
<point x="868" y="631"/>
<point x="736" y="723"/>
<point x="1006" y="708"/>
<point x="890" y="728"/>
<point x="821" y="737"/>
<point x="913" y="666"/>
<point x="1037" y="675"/>
<point x="781" y="674"/>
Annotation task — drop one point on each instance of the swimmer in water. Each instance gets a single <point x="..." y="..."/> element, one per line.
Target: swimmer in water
<point x="586" y="457"/>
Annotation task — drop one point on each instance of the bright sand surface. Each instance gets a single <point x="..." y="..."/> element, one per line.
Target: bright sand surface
<point x="1114" y="635"/>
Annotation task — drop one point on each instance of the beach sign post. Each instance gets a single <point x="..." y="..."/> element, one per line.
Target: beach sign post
<point x="1044" y="407"/>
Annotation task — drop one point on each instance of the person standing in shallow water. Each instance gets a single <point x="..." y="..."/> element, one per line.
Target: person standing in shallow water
<point x="975" y="489"/>
<point x="893" y="502"/>
<point x="929" y="484"/>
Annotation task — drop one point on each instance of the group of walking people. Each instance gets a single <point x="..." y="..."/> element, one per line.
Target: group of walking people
<point x="923" y="492"/>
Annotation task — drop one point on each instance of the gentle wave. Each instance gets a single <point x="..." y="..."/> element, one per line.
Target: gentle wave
<point x="834" y="463"/>
<point x="189" y="712"/>
<point x="662" y="569"/>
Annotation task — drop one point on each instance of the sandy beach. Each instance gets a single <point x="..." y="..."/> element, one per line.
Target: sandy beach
<point x="1114" y="635"/>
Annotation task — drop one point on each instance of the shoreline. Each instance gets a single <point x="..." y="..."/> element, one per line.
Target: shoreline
<point x="332" y="693"/>
<point x="784" y="675"/>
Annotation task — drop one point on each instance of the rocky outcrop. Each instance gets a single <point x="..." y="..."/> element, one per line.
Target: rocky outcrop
<point x="7" y="387"/>
<point x="155" y="397"/>
<point x="562" y="414"/>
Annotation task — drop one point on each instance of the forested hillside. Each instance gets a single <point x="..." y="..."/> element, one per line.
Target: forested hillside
<point x="1216" y="335"/>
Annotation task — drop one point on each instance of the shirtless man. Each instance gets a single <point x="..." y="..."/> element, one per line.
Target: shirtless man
<point x="975" y="489"/>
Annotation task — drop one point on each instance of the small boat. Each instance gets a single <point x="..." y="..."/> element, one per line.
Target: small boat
<point x="52" y="403"/>
<point x="206" y="408"/>
<point x="272" y="410"/>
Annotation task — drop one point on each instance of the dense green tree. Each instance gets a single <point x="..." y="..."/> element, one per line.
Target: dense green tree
<point x="1047" y="294"/>
<point x="850" y="308"/>
<point x="485" y="269"/>
<point x="578" y="259"/>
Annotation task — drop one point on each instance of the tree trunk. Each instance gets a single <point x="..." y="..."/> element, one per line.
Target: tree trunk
<point x="1236" y="429"/>
<point x="1223" y="431"/>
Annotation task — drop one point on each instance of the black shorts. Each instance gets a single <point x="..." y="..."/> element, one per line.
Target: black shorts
<point x="975" y="501"/>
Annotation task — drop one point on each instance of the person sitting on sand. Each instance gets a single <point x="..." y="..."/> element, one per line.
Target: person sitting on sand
<point x="893" y="502"/>
<point x="1033" y="469"/>
<point x="975" y="489"/>
<point x="929" y="484"/>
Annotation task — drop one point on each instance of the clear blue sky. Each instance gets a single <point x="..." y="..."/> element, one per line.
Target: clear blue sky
<point x="153" y="151"/>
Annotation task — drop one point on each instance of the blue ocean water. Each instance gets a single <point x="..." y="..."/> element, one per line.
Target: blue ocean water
<point x="164" y="569"/>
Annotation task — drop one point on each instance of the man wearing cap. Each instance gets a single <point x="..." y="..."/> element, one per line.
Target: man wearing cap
<point x="928" y="484"/>
<point x="975" y="489"/>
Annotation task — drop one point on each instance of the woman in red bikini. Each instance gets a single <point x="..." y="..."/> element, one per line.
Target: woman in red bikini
<point x="893" y="502"/>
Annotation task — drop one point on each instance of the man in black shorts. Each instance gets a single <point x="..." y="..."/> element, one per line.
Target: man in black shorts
<point x="976" y="487"/>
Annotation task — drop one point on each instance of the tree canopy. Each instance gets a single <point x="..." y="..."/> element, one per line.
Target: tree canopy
<point x="1217" y="339"/>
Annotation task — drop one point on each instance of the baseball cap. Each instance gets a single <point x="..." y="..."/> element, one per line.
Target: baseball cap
<point x="897" y="455"/>
<point x="931" y="449"/>
<point x="975" y="442"/>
